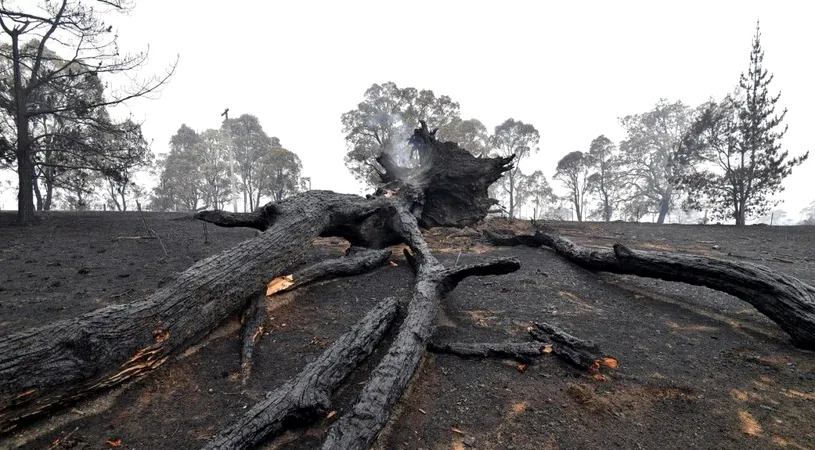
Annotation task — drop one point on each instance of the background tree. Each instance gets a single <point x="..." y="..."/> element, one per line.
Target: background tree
<point x="280" y="174"/>
<point x="69" y="27"/>
<point x="250" y="145"/>
<point x="573" y="171"/>
<point x="514" y="137"/>
<point x="180" y="185"/>
<point x="808" y="215"/>
<point x="131" y="153"/>
<point x="469" y="134"/>
<point x="535" y="189"/>
<point x="214" y="169"/>
<point x="385" y="120"/>
<point x="647" y="152"/>
<point x="732" y="156"/>
<point x="606" y="178"/>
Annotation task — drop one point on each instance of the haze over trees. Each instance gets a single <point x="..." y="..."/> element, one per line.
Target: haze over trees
<point x="732" y="159"/>
<point x="573" y="171"/>
<point x="647" y="153"/>
<point x="606" y="180"/>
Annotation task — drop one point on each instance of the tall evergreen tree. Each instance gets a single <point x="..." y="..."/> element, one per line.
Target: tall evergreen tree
<point x="732" y="158"/>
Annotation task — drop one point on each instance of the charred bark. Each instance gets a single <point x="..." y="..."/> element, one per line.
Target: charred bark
<point x="360" y="428"/>
<point x="577" y="352"/>
<point x="50" y="366"/>
<point x="786" y="300"/>
<point x="53" y="365"/>
<point x="305" y="397"/>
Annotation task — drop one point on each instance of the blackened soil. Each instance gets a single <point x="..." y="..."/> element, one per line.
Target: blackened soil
<point x="698" y="369"/>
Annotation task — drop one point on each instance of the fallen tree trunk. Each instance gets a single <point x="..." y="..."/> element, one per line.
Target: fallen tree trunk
<point x="305" y="397"/>
<point x="786" y="300"/>
<point x="55" y="364"/>
<point x="47" y="367"/>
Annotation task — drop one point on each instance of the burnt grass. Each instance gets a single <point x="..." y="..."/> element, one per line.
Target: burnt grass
<point x="697" y="368"/>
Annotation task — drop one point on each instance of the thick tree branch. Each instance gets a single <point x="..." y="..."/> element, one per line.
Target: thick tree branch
<point x="787" y="301"/>
<point x="252" y="331"/>
<point x="260" y="219"/>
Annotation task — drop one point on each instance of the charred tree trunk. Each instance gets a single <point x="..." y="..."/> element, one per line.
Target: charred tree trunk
<point x="53" y="365"/>
<point x="50" y="366"/>
<point x="787" y="301"/>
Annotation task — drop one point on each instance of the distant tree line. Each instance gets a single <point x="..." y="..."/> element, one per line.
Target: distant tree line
<point x="720" y="161"/>
<point x="195" y="173"/>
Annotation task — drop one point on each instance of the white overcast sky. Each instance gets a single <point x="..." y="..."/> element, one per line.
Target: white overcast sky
<point x="569" y="68"/>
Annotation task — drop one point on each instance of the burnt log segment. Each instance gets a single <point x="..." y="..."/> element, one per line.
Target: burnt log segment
<point x="784" y="299"/>
<point x="521" y="351"/>
<point x="306" y="397"/>
<point x="549" y="340"/>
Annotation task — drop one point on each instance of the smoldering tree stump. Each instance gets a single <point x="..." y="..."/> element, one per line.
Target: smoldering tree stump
<point x="786" y="300"/>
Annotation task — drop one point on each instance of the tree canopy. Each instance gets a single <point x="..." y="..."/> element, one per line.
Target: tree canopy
<point x="732" y="160"/>
<point x="57" y="54"/>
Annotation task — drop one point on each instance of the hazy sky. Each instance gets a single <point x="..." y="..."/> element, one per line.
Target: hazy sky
<point x="569" y="68"/>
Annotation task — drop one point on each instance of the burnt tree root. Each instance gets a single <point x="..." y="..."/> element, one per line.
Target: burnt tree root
<point x="361" y="426"/>
<point x="786" y="300"/>
<point x="305" y="398"/>
<point x="549" y="340"/>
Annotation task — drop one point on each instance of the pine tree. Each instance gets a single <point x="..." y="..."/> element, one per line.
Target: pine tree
<point x="732" y="158"/>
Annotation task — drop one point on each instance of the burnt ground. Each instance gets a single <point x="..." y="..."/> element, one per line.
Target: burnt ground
<point x="698" y="369"/>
